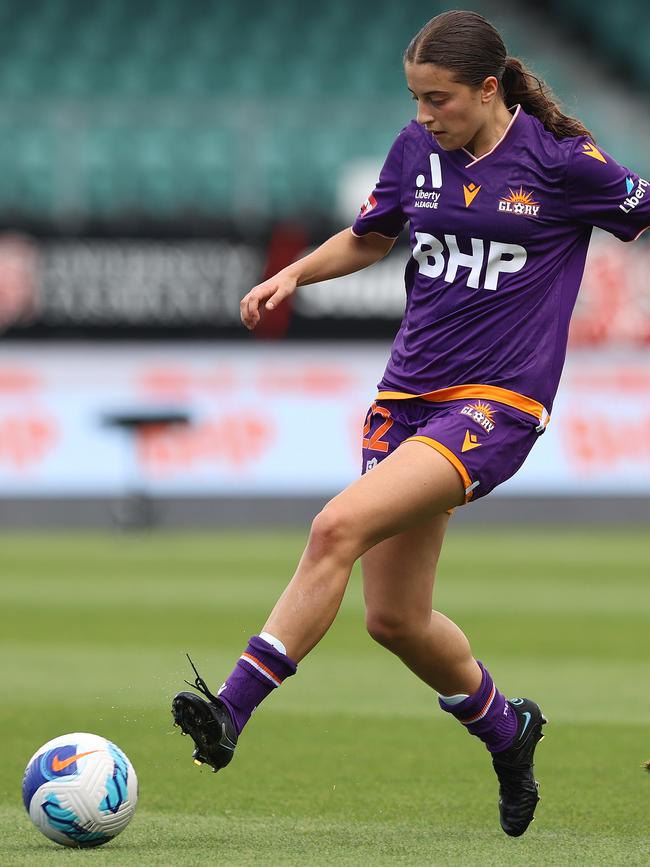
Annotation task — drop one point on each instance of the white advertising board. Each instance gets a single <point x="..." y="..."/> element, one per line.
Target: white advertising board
<point x="274" y="419"/>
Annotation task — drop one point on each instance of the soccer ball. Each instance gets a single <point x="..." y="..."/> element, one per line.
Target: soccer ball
<point x="80" y="790"/>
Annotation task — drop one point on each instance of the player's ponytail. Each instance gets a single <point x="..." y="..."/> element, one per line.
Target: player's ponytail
<point x="467" y="44"/>
<point x="521" y="86"/>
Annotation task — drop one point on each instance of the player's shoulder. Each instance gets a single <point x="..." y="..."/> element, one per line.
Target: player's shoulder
<point x="415" y="140"/>
<point x="414" y="132"/>
<point x="556" y="151"/>
<point x="413" y="129"/>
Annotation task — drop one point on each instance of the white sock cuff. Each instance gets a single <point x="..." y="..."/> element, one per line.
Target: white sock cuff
<point x="274" y="642"/>
<point x="453" y="699"/>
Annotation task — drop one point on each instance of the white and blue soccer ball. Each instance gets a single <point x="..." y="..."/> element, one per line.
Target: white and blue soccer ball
<point x="80" y="790"/>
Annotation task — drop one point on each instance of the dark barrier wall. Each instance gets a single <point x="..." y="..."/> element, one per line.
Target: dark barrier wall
<point x="182" y="287"/>
<point x="175" y="287"/>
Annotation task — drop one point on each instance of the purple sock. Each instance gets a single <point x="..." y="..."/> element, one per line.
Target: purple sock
<point x="259" y="670"/>
<point x="486" y="714"/>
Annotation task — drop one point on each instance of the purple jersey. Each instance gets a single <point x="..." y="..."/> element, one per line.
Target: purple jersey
<point x="498" y="252"/>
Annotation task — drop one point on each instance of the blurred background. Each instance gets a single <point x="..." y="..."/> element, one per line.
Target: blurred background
<point x="158" y="159"/>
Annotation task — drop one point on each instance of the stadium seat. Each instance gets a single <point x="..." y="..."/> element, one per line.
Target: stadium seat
<point x="157" y="106"/>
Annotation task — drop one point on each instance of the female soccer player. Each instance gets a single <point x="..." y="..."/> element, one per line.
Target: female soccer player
<point x="501" y="191"/>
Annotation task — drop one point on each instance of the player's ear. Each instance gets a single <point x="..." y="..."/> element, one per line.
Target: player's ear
<point x="489" y="88"/>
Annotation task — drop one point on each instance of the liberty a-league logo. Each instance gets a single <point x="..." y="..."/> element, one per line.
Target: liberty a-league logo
<point x="429" y="198"/>
<point x="633" y="198"/>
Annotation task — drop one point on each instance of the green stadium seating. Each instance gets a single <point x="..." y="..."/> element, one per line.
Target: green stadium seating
<point x="208" y="107"/>
<point x="619" y="31"/>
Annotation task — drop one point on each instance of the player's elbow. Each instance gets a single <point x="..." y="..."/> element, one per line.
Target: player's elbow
<point x="376" y="246"/>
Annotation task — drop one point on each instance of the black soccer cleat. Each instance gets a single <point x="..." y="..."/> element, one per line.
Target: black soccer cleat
<point x="518" y="788"/>
<point x="208" y="723"/>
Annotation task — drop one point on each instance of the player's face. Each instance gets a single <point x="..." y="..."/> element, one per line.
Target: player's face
<point x="453" y="112"/>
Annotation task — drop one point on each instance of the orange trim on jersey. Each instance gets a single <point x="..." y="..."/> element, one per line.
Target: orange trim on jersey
<point x="451" y="457"/>
<point x="473" y="392"/>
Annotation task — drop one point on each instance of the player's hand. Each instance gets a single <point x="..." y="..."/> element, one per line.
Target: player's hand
<point x="270" y="293"/>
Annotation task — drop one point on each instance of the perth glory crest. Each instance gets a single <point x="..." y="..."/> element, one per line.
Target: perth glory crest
<point x="519" y="202"/>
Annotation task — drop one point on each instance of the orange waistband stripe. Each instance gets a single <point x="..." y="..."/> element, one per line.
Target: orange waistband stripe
<point x="451" y="457"/>
<point x="477" y="392"/>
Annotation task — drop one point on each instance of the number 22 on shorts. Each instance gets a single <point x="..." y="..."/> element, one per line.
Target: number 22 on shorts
<point x="375" y="442"/>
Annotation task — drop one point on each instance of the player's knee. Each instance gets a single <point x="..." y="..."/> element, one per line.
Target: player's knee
<point x="332" y="535"/>
<point x="391" y="629"/>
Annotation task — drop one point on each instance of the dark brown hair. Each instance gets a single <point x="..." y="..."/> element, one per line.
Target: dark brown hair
<point x="472" y="49"/>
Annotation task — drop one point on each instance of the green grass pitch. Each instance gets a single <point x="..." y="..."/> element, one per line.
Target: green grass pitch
<point x="351" y="762"/>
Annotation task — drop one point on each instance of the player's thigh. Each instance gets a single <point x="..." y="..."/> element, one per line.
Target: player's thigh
<point x="399" y="573"/>
<point x="412" y="485"/>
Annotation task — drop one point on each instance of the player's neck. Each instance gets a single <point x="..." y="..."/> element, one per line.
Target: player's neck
<point x="490" y="133"/>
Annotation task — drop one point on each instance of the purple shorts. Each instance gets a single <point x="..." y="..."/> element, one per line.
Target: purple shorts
<point x="486" y="442"/>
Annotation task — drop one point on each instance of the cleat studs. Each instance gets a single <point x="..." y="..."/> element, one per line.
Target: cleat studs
<point x="198" y="763"/>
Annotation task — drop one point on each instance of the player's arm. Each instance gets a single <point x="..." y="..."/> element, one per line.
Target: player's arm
<point x="341" y="254"/>
<point x="370" y="238"/>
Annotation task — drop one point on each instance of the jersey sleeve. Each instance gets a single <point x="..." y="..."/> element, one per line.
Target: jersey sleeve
<point x="601" y="192"/>
<point x="382" y="211"/>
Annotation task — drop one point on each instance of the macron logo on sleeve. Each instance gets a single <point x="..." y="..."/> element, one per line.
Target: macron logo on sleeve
<point x="590" y="150"/>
